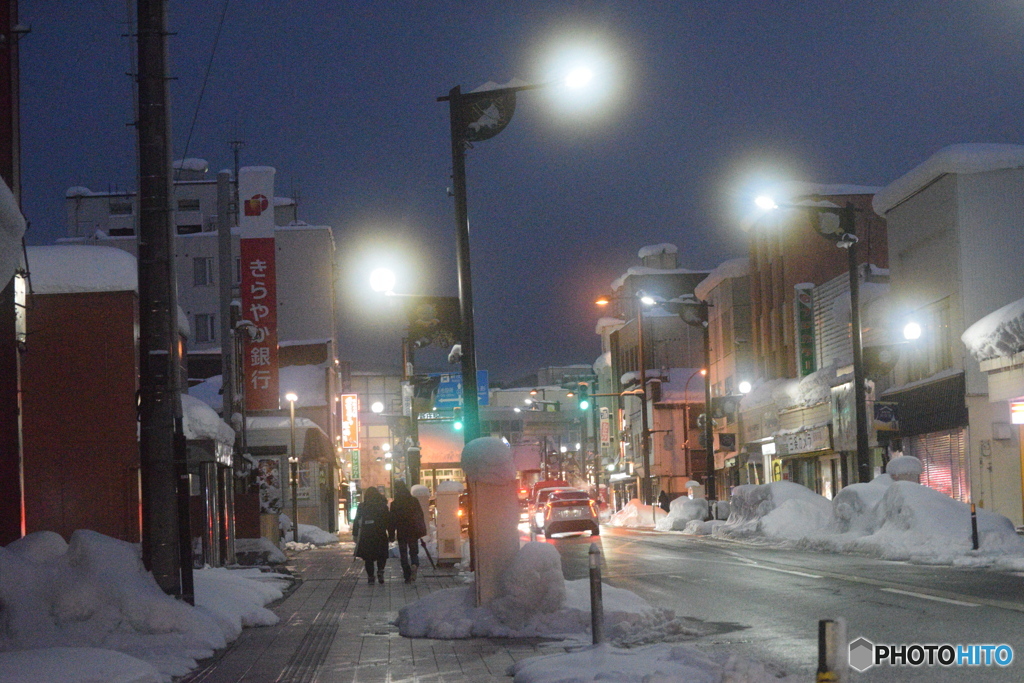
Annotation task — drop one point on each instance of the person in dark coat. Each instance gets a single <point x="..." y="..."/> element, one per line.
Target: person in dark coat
<point x="663" y="501"/>
<point x="408" y="525"/>
<point x="370" y="528"/>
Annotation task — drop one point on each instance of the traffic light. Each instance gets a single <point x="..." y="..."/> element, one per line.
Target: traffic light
<point x="457" y="418"/>
<point x="583" y="397"/>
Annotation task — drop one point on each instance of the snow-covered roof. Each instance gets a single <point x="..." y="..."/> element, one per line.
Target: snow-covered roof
<point x="606" y="322"/>
<point x="603" y="361"/>
<point x="307" y="381"/>
<point x="192" y="164"/>
<point x="644" y="270"/>
<point x="798" y="188"/>
<point x="737" y="267"/>
<point x="962" y="158"/>
<point x="284" y="201"/>
<point x="1000" y="334"/>
<point x="71" y="268"/>
<point x="77" y="191"/>
<point x="12" y="227"/>
<point x="655" y="249"/>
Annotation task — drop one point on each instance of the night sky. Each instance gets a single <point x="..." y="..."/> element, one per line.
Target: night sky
<point x="705" y="102"/>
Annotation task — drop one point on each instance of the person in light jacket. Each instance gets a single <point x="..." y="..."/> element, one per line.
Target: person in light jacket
<point x="408" y="525"/>
<point x="370" y="528"/>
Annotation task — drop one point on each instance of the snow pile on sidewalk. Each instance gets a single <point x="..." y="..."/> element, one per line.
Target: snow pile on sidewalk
<point x="682" y="511"/>
<point x="636" y="515"/>
<point x="536" y="601"/>
<point x="662" y="663"/>
<point x="309" y="536"/>
<point x="90" y="610"/>
<point x="888" y="519"/>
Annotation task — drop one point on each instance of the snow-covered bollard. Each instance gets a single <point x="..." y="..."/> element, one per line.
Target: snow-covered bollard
<point x="493" y="512"/>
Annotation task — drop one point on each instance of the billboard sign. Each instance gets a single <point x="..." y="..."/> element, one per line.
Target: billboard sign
<point x="259" y="306"/>
<point x="349" y="421"/>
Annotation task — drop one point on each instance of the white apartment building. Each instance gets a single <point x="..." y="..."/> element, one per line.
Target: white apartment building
<point x="306" y="278"/>
<point x="956" y="231"/>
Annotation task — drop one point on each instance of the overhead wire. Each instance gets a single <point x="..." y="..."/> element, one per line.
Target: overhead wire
<point x="206" y="80"/>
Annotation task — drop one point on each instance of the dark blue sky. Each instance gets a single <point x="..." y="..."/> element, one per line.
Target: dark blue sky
<point x="709" y="99"/>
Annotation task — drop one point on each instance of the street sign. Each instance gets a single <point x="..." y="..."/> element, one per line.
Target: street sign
<point x="356" y="470"/>
<point x="449" y="390"/>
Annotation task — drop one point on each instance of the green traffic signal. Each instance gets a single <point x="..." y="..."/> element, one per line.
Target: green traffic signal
<point x="584" y="404"/>
<point x="457" y="419"/>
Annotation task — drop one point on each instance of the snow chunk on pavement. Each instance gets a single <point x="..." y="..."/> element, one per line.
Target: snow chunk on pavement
<point x="551" y="607"/>
<point x="780" y="509"/>
<point x="636" y="515"/>
<point x="682" y="511"/>
<point x="904" y="468"/>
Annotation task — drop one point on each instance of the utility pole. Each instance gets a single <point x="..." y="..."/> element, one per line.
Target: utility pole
<point x="225" y="280"/>
<point x="161" y="437"/>
<point x="12" y="503"/>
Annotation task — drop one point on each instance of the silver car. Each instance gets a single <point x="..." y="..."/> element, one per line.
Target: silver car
<point x="567" y="510"/>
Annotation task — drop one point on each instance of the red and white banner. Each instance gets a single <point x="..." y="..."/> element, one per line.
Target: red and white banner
<point x="259" y="285"/>
<point x="259" y="306"/>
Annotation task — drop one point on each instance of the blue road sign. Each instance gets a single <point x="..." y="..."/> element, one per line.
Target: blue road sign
<point x="449" y="391"/>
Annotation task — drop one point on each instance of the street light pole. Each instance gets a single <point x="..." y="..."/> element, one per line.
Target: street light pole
<point x="293" y="461"/>
<point x="709" y="436"/>
<point x="470" y="407"/>
<point x="845" y="237"/>
<point x="848" y="226"/>
<point x="645" y="430"/>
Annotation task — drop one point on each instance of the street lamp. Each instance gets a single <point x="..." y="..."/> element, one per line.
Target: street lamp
<point x="293" y="461"/>
<point x="475" y="117"/>
<point x="694" y="312"/>
<point x="645" y="429"/>
<point x="686" y="414"/>
<point x="843" y="233"/>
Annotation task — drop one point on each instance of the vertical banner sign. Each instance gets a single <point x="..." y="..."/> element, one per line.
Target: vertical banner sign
<point x="350" y="421"/>
<point x="606" y="429"/>
<point x="259" y="285"/>
<point x="803" y="310"/>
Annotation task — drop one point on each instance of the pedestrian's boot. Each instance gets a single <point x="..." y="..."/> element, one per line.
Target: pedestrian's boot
<point x="412" y="573"/>
<point x="369" y="579"/>
<point x="380" y="577"/>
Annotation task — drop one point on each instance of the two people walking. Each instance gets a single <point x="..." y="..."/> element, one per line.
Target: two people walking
<point x="375" y="526"/>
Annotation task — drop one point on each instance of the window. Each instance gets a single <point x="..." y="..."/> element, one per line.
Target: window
<point x="204" y="328"/>
<point x="188" y="205"/>
<point x="202" y="271"/>
<point x="238" y="270"/>
<point x="120" y="208"/>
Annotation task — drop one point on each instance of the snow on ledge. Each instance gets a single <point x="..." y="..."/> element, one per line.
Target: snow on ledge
<point x="962" y="158"/>
<point x="76" y="268"/>
<point x="1000" y="334"/>
<point x="656" y="249"/>
<point x="737" y="267"/>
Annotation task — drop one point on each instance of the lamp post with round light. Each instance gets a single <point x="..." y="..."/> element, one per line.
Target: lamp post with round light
<point x="842" y="230"/>
<point x="474" y="117"/>
<point x="293" y="461"/>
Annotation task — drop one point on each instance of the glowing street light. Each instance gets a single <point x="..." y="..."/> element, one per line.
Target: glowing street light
<point x="912" y="331"/>
<point x="474" y="117"/>
<point x="382" y="280"/>
<point x="745" y="387"/>
<point x="377" y="407"/>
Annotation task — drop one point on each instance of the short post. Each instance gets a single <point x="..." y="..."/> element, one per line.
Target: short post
<point x="974" y="526"/>
<point x="832" y="662"/>
<point x="596" y="601"/>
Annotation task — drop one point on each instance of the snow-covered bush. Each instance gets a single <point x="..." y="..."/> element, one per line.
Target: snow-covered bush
<point x="780" y="509"/>
<point x="904" y="468"/>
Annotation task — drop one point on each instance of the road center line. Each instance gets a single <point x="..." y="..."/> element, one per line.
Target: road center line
<point x="783" y="571"/>
<point x="924" y="596"/>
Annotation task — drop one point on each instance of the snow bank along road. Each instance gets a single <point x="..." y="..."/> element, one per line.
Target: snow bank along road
<point x="765" y="603"/>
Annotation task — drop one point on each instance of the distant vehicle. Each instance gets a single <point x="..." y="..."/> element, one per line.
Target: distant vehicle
<point x="567" y="510"/>
<point x="463" y="511"/>
<point x="536" y="498"/>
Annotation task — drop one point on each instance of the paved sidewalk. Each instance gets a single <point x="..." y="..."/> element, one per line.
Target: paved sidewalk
<point x="336" y="628"/>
